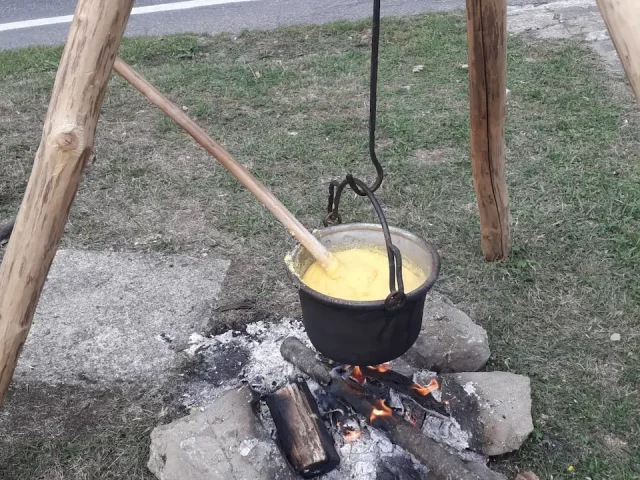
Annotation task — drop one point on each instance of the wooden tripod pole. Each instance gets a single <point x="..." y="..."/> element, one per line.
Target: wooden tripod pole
<point x="487" y="44"/>
<point x="67" y="141"/>
<point x="264" y="195"/>
<point x="623" y="23"/>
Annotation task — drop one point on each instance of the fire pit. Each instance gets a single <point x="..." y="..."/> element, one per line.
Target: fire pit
<point x="335" y="421"/>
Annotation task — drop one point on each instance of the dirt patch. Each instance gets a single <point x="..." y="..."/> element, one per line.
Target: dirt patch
<point x="616" y="445"/>
<point x="429" y="158"/>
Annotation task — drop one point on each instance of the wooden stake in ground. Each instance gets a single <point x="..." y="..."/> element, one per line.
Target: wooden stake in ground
<point x="67" y="141"/>
<point x="623" y="22"/>
<point x="486" y="36"/>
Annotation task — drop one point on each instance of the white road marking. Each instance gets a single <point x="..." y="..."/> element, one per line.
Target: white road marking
<point x="163" y="7"/>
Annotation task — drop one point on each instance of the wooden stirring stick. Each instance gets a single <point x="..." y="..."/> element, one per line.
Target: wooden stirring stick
<point x="262" y="193"/>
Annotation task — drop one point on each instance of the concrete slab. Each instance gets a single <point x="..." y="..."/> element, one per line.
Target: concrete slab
<point x="565" y="19"/>
<point x="105" y="317"/>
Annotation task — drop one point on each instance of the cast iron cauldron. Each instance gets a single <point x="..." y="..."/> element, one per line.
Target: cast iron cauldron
<point x="363" y="333"/>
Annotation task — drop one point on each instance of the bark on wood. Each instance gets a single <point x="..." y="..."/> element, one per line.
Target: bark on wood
<point x="622" y="18"/>
<point x="486" y="36"/>
<point x="444" y="465"/>
<point x="67" y="141"/>
<point x="298" y="354"/>
<point x="302" y="434"/>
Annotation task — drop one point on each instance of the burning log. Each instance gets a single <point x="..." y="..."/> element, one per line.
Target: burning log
<point x="444" y="465"/>
<point x="303" y="436"/>
<point x="401" y="384"/>
<point x="305" y="359"/>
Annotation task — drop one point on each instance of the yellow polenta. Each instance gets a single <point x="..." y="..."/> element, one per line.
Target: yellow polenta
<point x="362" y="275"/>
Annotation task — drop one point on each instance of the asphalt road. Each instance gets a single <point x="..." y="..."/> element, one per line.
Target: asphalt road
<point x="224" y="17"/>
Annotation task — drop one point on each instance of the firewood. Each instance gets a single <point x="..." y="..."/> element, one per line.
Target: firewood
<point x="298" y="354"/>
<point x="302" y="434"/>
<point x="444" y="465"/>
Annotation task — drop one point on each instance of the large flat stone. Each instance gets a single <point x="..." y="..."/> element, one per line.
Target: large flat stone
<point x="494" y="407"/>
<point x="106" y="316"/>
<point x="223" y="442"/>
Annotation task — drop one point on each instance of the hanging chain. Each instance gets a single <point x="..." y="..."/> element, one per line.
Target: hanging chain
<point x="396" y="297"/>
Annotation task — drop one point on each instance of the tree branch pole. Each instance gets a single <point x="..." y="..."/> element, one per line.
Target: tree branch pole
<point x="67" y="141"/>
<point x="622" y="18"/>
<point x="486" y="36"/>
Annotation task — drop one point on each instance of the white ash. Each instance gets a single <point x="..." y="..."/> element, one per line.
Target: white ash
<point x="395" y="402"/>
<point x="266" y="362"/>
<point x="447" y="432"/>
<point x="265" y="369"/>
<point x="247" y="445"/>
<point x="200" y="394"/>
<point x="470" y="388"/>
<point x="361" y="459"/>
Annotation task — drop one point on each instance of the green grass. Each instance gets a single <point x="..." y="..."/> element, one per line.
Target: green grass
<point x="291" y="105"/>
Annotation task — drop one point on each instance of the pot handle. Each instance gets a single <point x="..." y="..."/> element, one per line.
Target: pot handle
<point x="397" y="297"/>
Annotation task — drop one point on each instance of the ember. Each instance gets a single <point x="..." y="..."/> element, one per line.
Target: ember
<point x="380" y="410"/>
<point x="357" y="375"/>
<point x="352" y="435"/>
<point x="424" y="391"/>
<point x="381" y="368"/>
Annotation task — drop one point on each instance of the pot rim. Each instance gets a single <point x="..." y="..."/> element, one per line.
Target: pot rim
<point x="434" y="271"/>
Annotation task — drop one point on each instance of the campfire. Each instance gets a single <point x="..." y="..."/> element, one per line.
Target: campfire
<point x="351" y="399"/>
<point x="336" y="421"/>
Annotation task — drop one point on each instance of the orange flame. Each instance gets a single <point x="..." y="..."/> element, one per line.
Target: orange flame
<point x="380" y="410"/>
<point x="380" y="368"/>
<point x="357" y="375"/>
<point x="352" y="435"/>
<point x="424" y="391"/>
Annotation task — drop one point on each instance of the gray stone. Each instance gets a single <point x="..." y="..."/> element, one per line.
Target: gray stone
<point x="106" y="316"/>
<point x="493" y="407"/>
<point x="450" y="341"/>
<point x="223" y="442"/>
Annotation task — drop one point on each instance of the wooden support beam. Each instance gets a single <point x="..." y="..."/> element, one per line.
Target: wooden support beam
<point x="486" y="36"/>
<point x="67" y="142"/>
<point x="622" y="18"/>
